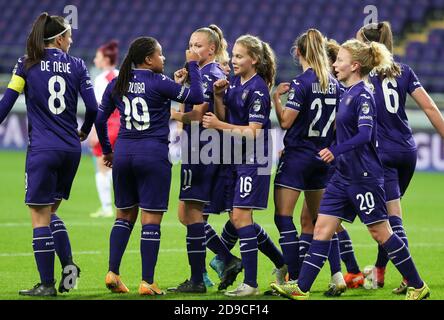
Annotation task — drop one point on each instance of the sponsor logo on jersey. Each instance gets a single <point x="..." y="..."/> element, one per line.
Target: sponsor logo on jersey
<point x="296" y="82"/>
<point x="257" y="105"/>
<point x="365" y="108"/>
<point x="208" y="77"/>
<point x="291" y="94"/>
<point x="259" y="93"/>
<point x="182" y="90"/>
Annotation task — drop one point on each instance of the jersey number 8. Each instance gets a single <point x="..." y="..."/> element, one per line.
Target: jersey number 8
<point x="56" y="95"/>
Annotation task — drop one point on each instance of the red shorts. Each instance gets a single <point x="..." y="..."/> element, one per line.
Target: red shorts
<point x="113" y="131"/>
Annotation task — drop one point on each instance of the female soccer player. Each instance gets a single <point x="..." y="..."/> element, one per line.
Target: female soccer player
<point x="243" y="108"/>
<point x="142" y="95"/>
<point x="199" y="181"/>
<point x="356" y="188"/>
<point x="105" y="60"/>
<point x="396" y="145"/>
<point x="52" y="80"/>
<point x="308" y="118"/>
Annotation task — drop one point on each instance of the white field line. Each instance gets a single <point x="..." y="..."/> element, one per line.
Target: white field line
<point x="183" y="250"/>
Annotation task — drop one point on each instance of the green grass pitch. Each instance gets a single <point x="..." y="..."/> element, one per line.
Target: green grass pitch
<point x="423" y="209"/>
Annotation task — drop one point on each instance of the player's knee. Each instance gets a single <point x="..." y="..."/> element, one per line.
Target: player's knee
<point x="379" y="233"/>
<point x="307" y="225"/>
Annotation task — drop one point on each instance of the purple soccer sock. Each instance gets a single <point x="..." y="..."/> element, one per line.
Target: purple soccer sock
<point x="267" y="247"/>
<point x="149" y="250"/>
<point x="229" y="235"/>
<point x="215" y="244"/>
<point x="196" y="240"/>
<point x="334" y="258"/>
<point x="304" y="244"/>
<point x="61" y="240"/>
<point x="397" y="227"/>
<point x="248" y="250"/>
<point x="347" y="253"/>
<point x="118" y="240"/>
<point x="400" y="256"/>
<point x="314" y="261"/>
<point x="289" y="242"/>
<point x="44" y="253"/>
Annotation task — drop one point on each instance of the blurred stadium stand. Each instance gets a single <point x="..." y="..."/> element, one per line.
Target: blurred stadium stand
<point x="276" y="21"/>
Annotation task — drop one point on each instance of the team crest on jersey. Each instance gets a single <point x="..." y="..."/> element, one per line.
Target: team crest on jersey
<point x="365" y="108"/>
<point x="291" y="94"/>
<point x="245" y="94"/>
<point x="257" y="105"/>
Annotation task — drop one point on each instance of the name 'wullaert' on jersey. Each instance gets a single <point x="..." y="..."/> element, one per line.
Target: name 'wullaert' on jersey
<point x="144" y="110"/>
<point x="314" y="126"/>
<point x="357" y="108"/>
<point x="249" y="102"/>
<point x="394" y="132"/>
<point x="51" y="92"/>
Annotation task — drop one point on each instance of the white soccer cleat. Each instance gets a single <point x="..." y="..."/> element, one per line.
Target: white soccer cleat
<point x="243" y="290"/>
<point x="370" y="278"/>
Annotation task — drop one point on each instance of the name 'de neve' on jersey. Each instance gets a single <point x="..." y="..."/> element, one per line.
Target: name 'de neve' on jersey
<point x="57" y="66"/>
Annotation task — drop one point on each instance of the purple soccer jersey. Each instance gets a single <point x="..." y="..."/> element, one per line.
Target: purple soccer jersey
<point x="300" y="167"/>
<point x="145" y="109"/>
<point x="141" y="150"/>
<point x="51" y="92"/>
<point x="249" y="102"/>
<point x="357" y="187"/>
<point x="357" y="108"/>
<point x="198" y="180"/>
<point x="394" y="132"/>
<point x="313" y="128"/>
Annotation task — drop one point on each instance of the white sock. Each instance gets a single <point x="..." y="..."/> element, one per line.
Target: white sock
<point x="103" y="185"/>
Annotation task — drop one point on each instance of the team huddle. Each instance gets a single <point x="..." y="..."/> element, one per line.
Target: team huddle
<point x="348" y="147"/>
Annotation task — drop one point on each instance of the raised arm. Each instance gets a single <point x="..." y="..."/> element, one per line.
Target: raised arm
<point x="219" y="89"/>
<point x="426" y="103"/>
<point x="285" y="116"/>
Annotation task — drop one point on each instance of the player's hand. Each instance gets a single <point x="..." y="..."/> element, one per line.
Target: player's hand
<point x="281" y="89"/>
<point x="192" y="56"/>
<point x="210" y="121"/>
<point x="82" y="135"/>
<point x="108" y="159"/>
<point x="180" y="75"/>
<point x="220" y="86"/>
<point x="326" y="155"/>
<point x="175" y="115"/>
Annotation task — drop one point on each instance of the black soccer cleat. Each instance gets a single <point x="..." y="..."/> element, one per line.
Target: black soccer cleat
<point x="40" y="290"/>
<point x="70" y="275"/>
<point x="232" y="269"/>
<point x="189" y="286"/>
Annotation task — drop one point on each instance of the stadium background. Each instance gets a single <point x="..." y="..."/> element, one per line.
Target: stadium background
<point x="418" y="27"/>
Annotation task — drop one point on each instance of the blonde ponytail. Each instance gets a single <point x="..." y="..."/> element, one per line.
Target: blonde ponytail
<point x="316" y="56"/>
